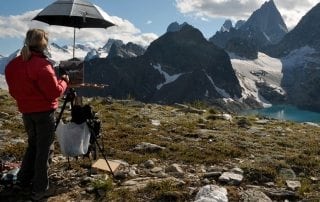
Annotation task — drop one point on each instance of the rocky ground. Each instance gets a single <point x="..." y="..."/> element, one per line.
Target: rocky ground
<point x="178" y="153"/>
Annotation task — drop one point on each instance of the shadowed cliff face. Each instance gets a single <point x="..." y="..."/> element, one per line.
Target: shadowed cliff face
<point x="301" y="78"/>
<point x="306" y="33"/>
<point x="189" y="53"/>
<point x="300" y="55"/>
<point x="179" y="66"/>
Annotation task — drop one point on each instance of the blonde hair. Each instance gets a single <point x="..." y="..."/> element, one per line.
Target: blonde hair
<point x="36" y="40"/>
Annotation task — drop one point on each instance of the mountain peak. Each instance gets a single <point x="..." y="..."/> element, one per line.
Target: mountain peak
<point x="227" y="25"/>
<point x="185" y="33"/>
<point x="110" y="42"/>
<point x="175" y="26"/>
<point x="128" y="50"/>
<point x="59" y="47"/>
<point x="269" y="21"/>
<point x="270" y="4"/>
<point x="264" y="27"/>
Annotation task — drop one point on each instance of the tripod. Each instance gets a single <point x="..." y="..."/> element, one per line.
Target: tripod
<point x="70" y="97"/>
<point x="71" y="94"/>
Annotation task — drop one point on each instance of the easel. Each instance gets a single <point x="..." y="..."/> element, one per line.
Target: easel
<point x="70" y="97"/>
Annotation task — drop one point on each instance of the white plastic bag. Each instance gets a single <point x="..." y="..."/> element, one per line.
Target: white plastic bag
<point x="73" y="138"/>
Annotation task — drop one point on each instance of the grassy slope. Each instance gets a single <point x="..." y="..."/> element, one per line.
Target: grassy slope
<point x="192" y="140"/>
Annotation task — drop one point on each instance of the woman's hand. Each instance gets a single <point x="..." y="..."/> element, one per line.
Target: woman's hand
<point x="65" y="77"/>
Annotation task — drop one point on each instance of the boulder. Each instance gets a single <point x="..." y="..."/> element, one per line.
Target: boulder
<point x="231" y="178"/>
<point x="148" y="147"/>
<point x="212" y="193"/>
<point x="253" y="195"/>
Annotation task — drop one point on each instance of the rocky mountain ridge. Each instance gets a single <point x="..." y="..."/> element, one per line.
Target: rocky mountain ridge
<point x="157" y="76"/>
<point x="57" y="53"/>
<point x="128" y="50"/>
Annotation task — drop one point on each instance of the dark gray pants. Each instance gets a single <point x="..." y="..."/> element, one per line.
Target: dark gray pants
<point x="40" y="128"/>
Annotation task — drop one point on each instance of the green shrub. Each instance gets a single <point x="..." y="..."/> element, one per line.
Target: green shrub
<point x="101" y="184"/>
<point x="213" y="111"/>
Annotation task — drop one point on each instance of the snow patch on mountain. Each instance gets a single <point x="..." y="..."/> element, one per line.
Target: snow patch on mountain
<point x="3" y="83"/>
<point x="227" y="25"/>
<point x="267" y="37"/>
<point x="83" y="52"/>
<point x="58" y="47"/>
<point x="168" y="78"/>
<point x="222" y="92"/>
<point x="5" y="60"/>
<point x="57" y="53"/>
<point x="110" y="42"/>
<point x="250" y="72"/>
<point x="65" y="53"/>
<point x="92" y="55"/>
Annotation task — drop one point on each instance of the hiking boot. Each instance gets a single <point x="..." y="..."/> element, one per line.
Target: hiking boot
<point x="22" y="188"/>
<point x="39" y="196"/>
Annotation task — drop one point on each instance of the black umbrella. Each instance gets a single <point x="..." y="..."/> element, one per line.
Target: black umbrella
<point x="74" y="13"/>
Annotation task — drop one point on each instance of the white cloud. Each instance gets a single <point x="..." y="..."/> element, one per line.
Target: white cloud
<point x="16" y="27"/>
<point x="149" y="22"/>
<point x="205" y="19"/>
<point x="291" y="10"/>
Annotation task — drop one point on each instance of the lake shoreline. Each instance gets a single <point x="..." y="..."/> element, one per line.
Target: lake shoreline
<point x="286" y="112"/>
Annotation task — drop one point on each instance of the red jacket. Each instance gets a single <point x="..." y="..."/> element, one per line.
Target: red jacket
<point x="33" y="84"/>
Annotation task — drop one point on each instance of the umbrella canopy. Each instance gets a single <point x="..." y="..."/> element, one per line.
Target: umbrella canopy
<point x="74" y="13"/>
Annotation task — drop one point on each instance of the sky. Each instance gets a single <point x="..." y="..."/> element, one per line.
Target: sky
<point x="138" y="21"/>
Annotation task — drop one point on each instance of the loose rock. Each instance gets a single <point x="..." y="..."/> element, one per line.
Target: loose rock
<point x="231" y="178"/>
<point x="212" y="193"/>
<point x="149" y="164"/>
<point x="253" y="195"/>
<point x="293" y="185"/>
<point x="148" y="147"/>
<point x="174" y="168"/>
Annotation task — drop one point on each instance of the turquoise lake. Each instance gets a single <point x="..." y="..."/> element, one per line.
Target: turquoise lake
<point x="287" y="112"/>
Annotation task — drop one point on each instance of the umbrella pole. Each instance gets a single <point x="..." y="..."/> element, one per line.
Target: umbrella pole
<point x="74" y="41"/>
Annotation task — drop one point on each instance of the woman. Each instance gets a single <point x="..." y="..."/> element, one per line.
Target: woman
<point x="33" y="84"/>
